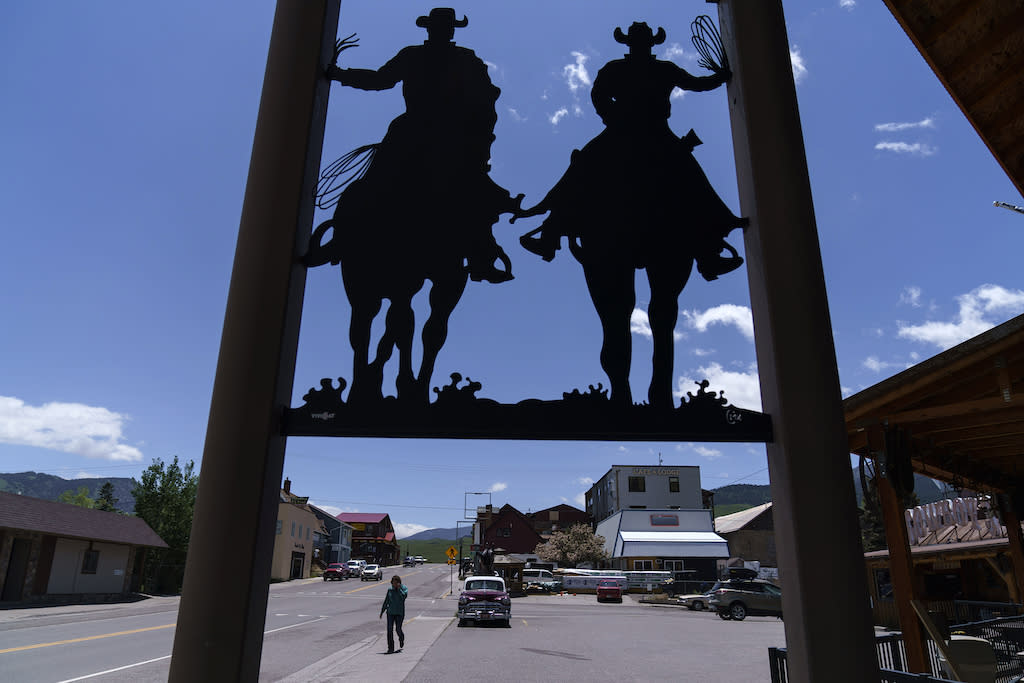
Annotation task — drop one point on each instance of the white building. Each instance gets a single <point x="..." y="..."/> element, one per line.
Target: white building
<point x="663" y="540"/>
<point x="644" y="487"/>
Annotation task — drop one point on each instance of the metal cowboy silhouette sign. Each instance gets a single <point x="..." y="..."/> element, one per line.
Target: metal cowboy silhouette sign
<point x="415" y="212"/>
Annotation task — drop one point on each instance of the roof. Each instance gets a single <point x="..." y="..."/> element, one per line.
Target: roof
<point x="976" y="49"/>
<point x="948" y="551"/>
<point x="361" y="517"/>
<point x="70" y="521"/>
<point x="964" y="422"/>
<point x="728" y="523"/>
<point x="670" y="544"/>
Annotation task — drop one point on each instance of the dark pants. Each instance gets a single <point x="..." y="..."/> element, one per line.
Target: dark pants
<point x="395" y="624"/>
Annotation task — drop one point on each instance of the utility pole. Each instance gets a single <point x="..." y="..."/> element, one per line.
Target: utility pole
<point x="1011" y="207"/>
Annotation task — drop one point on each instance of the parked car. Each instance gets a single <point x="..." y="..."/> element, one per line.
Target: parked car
<point x="372" y="572"/>
<point x="736" y="598"/>
<point x="694" y="601"/>
<point x="609" y="590"/>
<point x="409" y="561"/>
<point x="420" y="559"/>
<point x="336" y="571"/>
<point x="484" y="598"/>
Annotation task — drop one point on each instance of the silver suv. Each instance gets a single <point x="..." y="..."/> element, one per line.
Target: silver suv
<point x="736" y="598"/>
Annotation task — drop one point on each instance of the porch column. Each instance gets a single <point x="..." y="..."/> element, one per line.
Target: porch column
<point x="815" y="516"/>
<point x="901" y="572"/>
<point x="1013" y="533"/>
<point x="219" y="635"/>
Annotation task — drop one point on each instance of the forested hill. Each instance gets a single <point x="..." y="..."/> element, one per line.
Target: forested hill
<point x="49" y="487"/>
<point x="743" y="494"/>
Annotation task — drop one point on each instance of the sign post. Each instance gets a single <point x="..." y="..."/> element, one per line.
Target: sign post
<point x="451" y="566"/>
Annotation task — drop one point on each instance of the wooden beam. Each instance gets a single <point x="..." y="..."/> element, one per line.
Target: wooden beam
<point x="985" y="405"/>
<point x="1016" y="538"/>
<point x="901" y="570"/>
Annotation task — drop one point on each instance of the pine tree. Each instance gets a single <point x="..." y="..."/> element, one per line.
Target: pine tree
<point x="106" y="501"/>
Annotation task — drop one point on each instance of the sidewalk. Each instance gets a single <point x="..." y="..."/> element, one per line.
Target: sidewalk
<point x="367" y="660"/>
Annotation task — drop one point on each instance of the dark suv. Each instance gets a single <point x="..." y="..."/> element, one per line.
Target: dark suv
<point x="736" y="598"/>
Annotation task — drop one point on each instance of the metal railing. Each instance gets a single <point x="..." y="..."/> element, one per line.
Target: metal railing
<point x="779" y="670"/>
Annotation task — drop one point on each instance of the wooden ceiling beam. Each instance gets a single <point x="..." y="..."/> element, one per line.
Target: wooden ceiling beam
<point x="908" y="417"/>
<point x="980" y="48"/>
<point x="1010" y="73"/>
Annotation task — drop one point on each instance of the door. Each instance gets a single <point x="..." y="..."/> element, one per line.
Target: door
<point x="17" y="568"/>
<point x="298" y="560"/>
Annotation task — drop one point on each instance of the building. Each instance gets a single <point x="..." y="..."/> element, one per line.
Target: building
<point x="507" y="529"/>
<point x="557" y="518"/>
<point x="336" y="545"/>
<point x="295" y="540"/>
<point x="373" y="537"/>
<point x="644" y="487"/>
<point x="51" y="550"/>
<point x="750" y="534"/>
<point x="663" y="540"/>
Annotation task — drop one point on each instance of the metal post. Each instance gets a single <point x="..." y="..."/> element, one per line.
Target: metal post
<point x="816" y="527"/>
<point x="219" y="634"/>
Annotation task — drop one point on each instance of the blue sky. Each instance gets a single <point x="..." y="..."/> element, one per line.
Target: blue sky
<point x="126" y="131"/>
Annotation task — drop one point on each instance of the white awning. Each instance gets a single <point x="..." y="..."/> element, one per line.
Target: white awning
<point x="670" y="544"/>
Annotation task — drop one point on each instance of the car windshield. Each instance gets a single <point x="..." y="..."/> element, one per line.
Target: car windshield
<point x="371" y="567"/>
<point x="608" y="584"/>
<point x="483" y="585"/>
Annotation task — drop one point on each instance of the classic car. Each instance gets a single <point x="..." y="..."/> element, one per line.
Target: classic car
<point x="484" y="598"/>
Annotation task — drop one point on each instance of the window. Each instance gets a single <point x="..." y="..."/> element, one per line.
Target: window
<point x="662" y="519"/>
<point x="673" y="565"/>
<point x="637" y="485"/>
<point x="307" y="533"/>
<point x="505" y="532"/>
<point x="553" y="516"/>
<point x="300" y="532"/>
<point x="279" y="525"/>
<point x="643" y="565"/>
<point x="293" y="528"/>
<point x="90" y="560"/>
<point x="673" y="484"/>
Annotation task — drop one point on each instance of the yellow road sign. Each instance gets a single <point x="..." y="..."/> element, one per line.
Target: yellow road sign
<point x="451" y="561"/>
<point x="450" y="552"/>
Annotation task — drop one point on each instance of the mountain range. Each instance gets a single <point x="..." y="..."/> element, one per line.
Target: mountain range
<point x="49" y="487"/>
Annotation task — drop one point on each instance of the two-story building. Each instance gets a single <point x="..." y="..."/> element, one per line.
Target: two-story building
<point x="644" y="487"/>
<point x="507" y="529"/>
<point x="557" y="518"/>
<point x="297" y="527"/>
<point x="336" y="545"/>
<point x="373" y="537"/>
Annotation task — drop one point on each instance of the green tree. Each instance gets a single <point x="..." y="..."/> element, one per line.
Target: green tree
<point x="81" y="499"/>
<point x="106" y="501"/>
<point x="164" y="498"/>
<point x="575" y="545"/>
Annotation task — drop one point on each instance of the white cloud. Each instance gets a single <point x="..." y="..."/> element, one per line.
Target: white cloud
<point x="725" y="314"/>
<point x="516" y="116"/>
<point x="83" y="475"/>
<point x="848" y="4"/>
<point x="916" y="148"/>
<point x="558" y="116"/>
<point x="896" y="127"/>
<point x="576" y="75"/>
<point x="580" y="500"/>
<point x="90" y="431"/>
<point x="677" y="93"/>
<point x="640" y="324"/>
<point x="979" y="309"/>
<point x="700" y="353"/>
<point x="407" y="530"/>
<point x="799" y="68"/>
<point x="498" y="486"/>
<point x="585" y="481"/>
<point x="491" y="66"/>
<point x="912" y="296"/>
<point x="741" y="389"/>
<point x="872" y="363"/>
<point x="334" y="510"/>
<point x="704" y="451"/>
<point x="672" y="51"/>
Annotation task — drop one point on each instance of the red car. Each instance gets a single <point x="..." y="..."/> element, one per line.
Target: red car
<point x="335" y="571"/>
<point x="608" y="589"/>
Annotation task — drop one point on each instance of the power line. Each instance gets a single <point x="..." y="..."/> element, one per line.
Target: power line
<point x="746" y="476"/>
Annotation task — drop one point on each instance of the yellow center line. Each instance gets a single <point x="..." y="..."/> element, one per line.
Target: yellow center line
<point x="80" y="640"/>
<point x="372" y="585"/>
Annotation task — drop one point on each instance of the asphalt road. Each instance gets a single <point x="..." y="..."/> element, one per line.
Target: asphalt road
<point x="306" y="621"/>
<point x="313" y="626"/>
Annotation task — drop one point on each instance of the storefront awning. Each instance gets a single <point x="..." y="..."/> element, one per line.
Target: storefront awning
<point x="670" y="544"/>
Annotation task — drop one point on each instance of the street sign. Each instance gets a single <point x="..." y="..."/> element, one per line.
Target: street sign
<point x="451" y="553"/>
<point x="451" y="561"/>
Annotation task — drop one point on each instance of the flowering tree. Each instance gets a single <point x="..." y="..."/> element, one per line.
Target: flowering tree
<point x="571" y="547"/>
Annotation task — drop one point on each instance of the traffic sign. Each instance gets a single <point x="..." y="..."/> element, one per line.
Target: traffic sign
<point x="451" y="552"/>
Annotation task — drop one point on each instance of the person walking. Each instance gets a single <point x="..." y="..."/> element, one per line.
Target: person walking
<point x="394" y="605"/>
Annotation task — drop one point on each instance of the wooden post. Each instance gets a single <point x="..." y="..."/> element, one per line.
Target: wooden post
<point x="1016" y="538"/>
<point x="901" y="571"/>
<point x="219" y="636"/>
<point x="815" y="516"/>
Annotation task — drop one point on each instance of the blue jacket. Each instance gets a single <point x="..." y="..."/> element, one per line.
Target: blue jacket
<point x="394" y="601"/>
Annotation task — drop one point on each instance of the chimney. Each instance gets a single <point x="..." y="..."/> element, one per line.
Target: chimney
<point x="288" y="486"/>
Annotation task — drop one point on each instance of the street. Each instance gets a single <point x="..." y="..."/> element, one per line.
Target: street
<point x="331" y="630"/>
